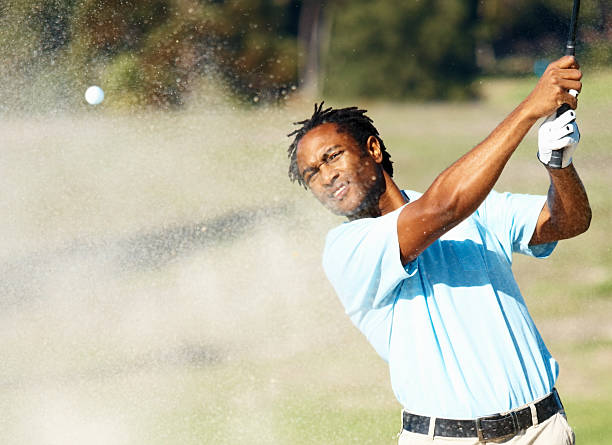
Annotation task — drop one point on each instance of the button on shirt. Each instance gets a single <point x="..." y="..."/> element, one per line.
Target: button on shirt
<point x="452" y="324"/>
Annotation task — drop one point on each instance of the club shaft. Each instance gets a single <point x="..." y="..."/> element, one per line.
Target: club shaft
<point x="570" y="47"/>
<point x="570" y="50"/>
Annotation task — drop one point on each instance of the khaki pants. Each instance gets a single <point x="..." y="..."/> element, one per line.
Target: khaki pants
<point x="553" y="431"/>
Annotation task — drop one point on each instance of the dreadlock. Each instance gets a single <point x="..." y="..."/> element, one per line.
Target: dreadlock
<point x="351" y="120"/>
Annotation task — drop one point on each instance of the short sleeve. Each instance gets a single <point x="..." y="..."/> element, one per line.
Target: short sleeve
<point x="362" y="261"/>
<point x="513" y="218"/>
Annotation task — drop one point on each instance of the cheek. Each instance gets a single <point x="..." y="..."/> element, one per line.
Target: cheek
<point x="318" y="193"/>
<point x="367" y="173"/>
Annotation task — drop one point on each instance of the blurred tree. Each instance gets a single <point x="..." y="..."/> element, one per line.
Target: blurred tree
<point x="34" y="37"/>
<point x="596" y="36"/>
<point x="313" y="39"/>
<point x="243" y="43"/>
<point x="151" y="51"/>
<point x="157" y="51"/>
<point x="512" y="33"/>
<point x="400" y="49"/>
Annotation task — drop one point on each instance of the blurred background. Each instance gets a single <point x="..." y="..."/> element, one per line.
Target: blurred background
<point x="160" y="277"/>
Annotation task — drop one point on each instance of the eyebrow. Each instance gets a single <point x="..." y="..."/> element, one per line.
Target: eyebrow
<point x="323" y="156"/>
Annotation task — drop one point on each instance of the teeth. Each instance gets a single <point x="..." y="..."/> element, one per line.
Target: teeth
<point x="340" y="189"/>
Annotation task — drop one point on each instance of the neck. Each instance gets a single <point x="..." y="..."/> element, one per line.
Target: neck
<point x="390" y="199"/>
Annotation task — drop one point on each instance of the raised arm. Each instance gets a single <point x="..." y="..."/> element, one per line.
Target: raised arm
<point x="458" y="191"/>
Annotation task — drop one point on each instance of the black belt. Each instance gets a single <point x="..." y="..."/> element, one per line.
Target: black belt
<point x="486" y="428"/>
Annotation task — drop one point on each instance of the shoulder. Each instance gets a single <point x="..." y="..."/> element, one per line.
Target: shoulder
<point x="351" y="233"/>
<point x="353" y="230"/>
<point x="348" y="228"/>
<point x="345" y="237"/>
<point x="365" y="237"/>
<point x="362" y="261"/>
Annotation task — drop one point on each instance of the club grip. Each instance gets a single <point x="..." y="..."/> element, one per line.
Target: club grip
<point x="562" y="109"/>
<point x="556" y="159"/>
<point x="570" y="50"/>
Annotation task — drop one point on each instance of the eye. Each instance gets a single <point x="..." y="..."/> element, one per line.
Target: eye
<point x="309" y="177"/>
<point x="334" y="155"/>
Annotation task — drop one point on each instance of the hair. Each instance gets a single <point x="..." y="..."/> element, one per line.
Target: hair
<point x="351" y="120"/>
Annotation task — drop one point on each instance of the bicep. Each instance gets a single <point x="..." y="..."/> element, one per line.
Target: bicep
<point x="419" y="224"/>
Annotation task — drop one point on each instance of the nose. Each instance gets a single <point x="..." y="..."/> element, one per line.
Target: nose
<point x="328" y="175"/>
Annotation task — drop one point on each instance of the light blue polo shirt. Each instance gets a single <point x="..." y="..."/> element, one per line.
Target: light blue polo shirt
<point x="452" y="324"/>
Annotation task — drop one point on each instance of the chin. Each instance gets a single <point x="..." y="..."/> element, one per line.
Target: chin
<point x="356" y="211"/>
<point x="358" y="203"/>
<point x="340" y="210"/>
<point x="345" y="207"/>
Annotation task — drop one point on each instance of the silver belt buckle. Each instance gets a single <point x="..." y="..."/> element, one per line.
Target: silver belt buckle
<point x="479" y="429"/>
<point x="515" y="427"/>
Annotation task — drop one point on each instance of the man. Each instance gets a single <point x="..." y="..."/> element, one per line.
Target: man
<point x="427" y="278"/>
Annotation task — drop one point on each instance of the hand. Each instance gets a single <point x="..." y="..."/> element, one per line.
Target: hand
<point x="553" y="88"/>
<point x="558" y="133"/>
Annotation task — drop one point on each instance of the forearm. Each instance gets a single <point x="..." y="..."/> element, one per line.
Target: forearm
<point x="567" y="212"/>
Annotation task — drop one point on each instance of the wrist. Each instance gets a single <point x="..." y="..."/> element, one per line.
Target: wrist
<point x="527" y="113"/>
<point x="559" y="173"/>
<point x="553" y="169"/>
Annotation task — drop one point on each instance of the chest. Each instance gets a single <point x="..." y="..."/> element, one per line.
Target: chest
<point x="466" y="256"/>
<point x="463" y="248"/>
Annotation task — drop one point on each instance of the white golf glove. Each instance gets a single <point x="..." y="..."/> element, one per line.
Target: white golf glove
<point x="558" y="133"/>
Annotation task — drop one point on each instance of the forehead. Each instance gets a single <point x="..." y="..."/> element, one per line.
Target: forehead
<point x="318" y="140"/>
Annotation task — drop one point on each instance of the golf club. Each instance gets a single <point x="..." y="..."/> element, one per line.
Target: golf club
<point x="570" y="50"/>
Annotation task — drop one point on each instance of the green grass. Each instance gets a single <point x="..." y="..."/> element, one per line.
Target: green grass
<point x="590" y="420"/>
<point x="333" y="424"/>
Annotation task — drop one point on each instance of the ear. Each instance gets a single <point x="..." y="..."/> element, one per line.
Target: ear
<point x="373" y="148"/>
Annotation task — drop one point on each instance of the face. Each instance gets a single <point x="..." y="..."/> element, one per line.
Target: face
<point x="343" y="177"/>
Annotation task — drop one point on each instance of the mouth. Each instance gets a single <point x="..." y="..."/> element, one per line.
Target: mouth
<point x="340" y="191"/>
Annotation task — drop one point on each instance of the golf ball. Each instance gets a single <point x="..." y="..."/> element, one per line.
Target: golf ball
<point x="94" y="95"/>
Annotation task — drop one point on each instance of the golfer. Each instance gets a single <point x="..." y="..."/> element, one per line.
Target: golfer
<point x="427" y="277"/>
